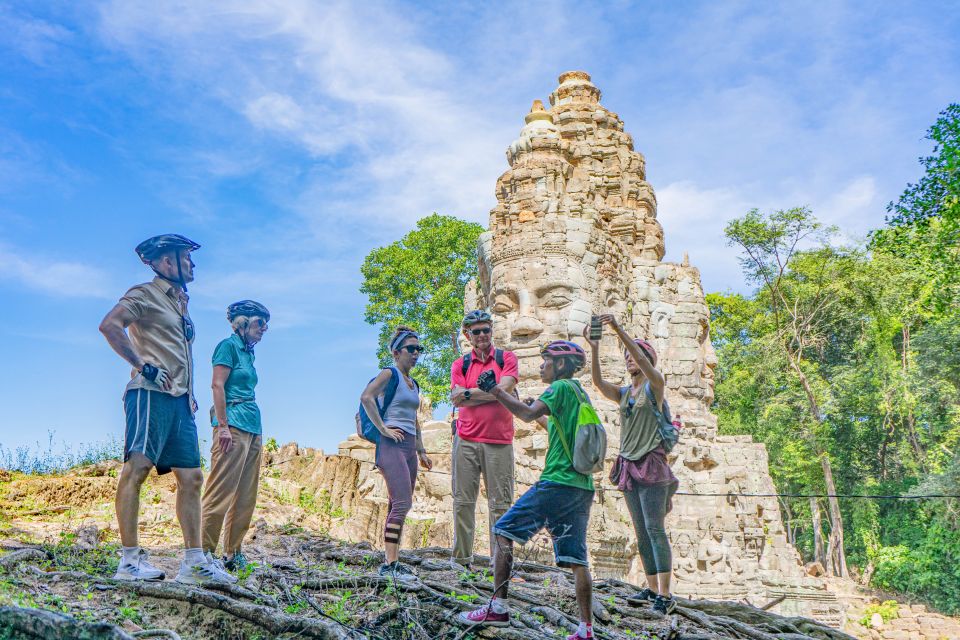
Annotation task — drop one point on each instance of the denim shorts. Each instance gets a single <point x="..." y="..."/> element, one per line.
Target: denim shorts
<point x="563" y="510"/>
<point x="162" y="428"/>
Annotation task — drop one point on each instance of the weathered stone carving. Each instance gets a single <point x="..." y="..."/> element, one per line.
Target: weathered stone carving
<point x="575" y="232"/>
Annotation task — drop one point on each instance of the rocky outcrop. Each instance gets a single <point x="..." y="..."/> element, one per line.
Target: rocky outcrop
<point x="575" y="232"/>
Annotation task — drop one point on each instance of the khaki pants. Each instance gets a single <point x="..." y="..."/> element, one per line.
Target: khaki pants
<point x="470" y="461"/>
<point x="230" y="494"/>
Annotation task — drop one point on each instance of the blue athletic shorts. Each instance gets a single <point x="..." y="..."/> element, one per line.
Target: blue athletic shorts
<point x="563" y="510"/>
<point x="162" y="428"/>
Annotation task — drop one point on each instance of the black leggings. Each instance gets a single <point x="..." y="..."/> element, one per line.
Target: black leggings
<point x="648" y="508"/>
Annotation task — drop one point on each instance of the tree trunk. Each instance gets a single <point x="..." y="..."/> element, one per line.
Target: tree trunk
<point x="838" y="557"/>
<point x="818" y="553"/>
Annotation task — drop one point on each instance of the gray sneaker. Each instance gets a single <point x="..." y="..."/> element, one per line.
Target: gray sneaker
<point x="204" y="573"/>
<point x="399" y="572"/>
<point x="140" y="569"/>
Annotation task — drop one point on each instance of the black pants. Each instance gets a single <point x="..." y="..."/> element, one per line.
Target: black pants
<point x="648" y="509"/>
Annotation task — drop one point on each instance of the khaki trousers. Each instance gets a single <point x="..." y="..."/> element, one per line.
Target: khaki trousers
<point x="230" y="494"/>
<point x="471" y="460"/>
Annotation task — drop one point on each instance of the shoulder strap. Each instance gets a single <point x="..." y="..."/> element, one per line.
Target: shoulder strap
<point x="391" y="390"/>
<point x="661" y="414"/>
<point x="466" y="363"/>
<point x="559" y="427"/>
<point x="498" y="357"/>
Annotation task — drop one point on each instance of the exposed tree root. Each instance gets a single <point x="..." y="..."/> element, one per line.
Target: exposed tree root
<point x="317" y="588"/>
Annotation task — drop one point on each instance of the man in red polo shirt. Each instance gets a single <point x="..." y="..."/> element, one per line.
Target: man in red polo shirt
<point x="483" y="443"/>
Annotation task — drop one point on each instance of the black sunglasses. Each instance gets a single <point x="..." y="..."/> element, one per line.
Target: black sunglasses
<point x="413" y="348"/>
<point x="478" y="332"/>
<point x="630" y="404"/>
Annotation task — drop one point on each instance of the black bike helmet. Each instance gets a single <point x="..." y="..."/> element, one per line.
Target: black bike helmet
<point x="249" y="308"/>
<point x="151" y="248"/>
<point x="476" y="316"/>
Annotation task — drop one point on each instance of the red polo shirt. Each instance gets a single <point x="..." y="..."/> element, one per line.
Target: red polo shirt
<point x="490" y="422"/>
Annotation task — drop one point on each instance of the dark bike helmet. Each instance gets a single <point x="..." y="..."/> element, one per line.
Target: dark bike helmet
<point x="151" y="248"/>
<point x="565" y="349"/>
<point x="249" y="308"/>
<point x="476" y="316"/>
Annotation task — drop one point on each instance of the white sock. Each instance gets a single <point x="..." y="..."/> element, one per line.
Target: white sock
<point x="130" y="554"/>
<point x="194" y="556"/>
<point x="585" y="630"/>
<point x="497" y="605"/>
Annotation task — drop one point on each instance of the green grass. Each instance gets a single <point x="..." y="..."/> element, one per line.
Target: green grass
<point x="50" y="459"/>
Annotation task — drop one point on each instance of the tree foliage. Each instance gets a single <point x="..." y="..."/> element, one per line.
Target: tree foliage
<point x="875" y="331"/>
<point x="419" y="281"/>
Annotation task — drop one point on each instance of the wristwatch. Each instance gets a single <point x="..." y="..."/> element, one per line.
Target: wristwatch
<point x="466" y="394"/>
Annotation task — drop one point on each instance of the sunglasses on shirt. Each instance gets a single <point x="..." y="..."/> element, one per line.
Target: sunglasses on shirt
<point x="188" y="329"/>
<point x="478" y="332"/>
<point x="413" y="348"/>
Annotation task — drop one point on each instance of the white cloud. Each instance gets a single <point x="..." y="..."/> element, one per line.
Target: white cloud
<point x="333" y="78"/>
<point x="58" y="278"/>
<point x="36" y="40"/>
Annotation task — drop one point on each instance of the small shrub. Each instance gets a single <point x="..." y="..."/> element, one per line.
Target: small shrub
<point x="888" y="610"/>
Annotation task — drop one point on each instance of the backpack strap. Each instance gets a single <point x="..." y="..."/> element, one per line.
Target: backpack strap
<point x="563" y="438"/>
<point x="662" y="414"/>
<point x="391" y="390"/>
<point x="466" y="363"/>
<point x="498" y="358"/>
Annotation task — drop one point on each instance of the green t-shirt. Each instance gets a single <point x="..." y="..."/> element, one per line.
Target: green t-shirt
<point x="242" y="410"/>
<point x="564" y="407"/>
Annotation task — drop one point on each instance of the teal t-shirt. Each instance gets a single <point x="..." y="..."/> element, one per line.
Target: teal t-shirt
<point x="242" y="410"/>
<point x="564" y="407"/>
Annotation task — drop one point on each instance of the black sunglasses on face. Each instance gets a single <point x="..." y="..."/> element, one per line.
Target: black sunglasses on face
<point x="413" y="348"/>
<point x="478" y="332"/>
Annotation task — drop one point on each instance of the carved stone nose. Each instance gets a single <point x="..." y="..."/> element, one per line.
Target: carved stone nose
<point x="527" y="326"/>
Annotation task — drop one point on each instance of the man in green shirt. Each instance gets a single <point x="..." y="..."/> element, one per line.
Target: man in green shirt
<point x="559" y="502"/>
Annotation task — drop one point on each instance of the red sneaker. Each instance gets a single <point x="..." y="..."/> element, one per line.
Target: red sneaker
<point x="485" y="615"/>
<point x="575" y="636"/>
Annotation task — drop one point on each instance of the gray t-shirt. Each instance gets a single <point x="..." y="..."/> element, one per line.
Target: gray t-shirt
<point x="638" y="425"/>
<point x="402" y="412"/>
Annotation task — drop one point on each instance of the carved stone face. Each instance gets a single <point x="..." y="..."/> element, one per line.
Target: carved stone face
<point x="534" y="300"/>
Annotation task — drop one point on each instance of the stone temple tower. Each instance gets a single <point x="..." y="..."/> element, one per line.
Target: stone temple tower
<point x="575" y="232"/>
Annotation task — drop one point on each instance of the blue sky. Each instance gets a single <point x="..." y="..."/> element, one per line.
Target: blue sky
<point x="289" y="138"/>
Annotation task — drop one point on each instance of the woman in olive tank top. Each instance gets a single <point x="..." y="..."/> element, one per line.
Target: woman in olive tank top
<point x="641" y="470"/>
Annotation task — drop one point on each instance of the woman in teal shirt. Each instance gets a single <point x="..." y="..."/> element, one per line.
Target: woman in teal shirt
<point x="231" y="491"/>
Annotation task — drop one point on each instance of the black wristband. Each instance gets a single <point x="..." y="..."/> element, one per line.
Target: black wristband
<point x="149" y="372"/>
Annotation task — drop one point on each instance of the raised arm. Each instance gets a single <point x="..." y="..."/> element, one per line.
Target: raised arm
<point x="608" y="389"/>
<point x="651" y="372"/>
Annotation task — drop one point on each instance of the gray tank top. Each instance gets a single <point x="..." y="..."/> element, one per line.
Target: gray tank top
<point x="402" y="412"/>
<point x="638" y="425"/>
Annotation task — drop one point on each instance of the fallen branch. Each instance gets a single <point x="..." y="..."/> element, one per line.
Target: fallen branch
<point x="49" y="625"/>
<point x="23" y="555"/>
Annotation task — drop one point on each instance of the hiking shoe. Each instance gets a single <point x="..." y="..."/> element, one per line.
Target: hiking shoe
<point x="140" y="569"/>
<point x="236" y="562"/>
<point x="644" y="595"/>
<point x="397" y="571"/>
<point x="203" y="573"/>
<point x="485" y="615"/>
<point x="664" y="605"/>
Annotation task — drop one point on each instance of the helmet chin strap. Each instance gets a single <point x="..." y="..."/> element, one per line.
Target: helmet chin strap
<point x="179" y="281"/>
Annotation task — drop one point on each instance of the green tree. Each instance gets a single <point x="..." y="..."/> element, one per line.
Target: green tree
<point x="419" y="281"/>
<point x="925" y="223"/>
<point x="800" y="289"/>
